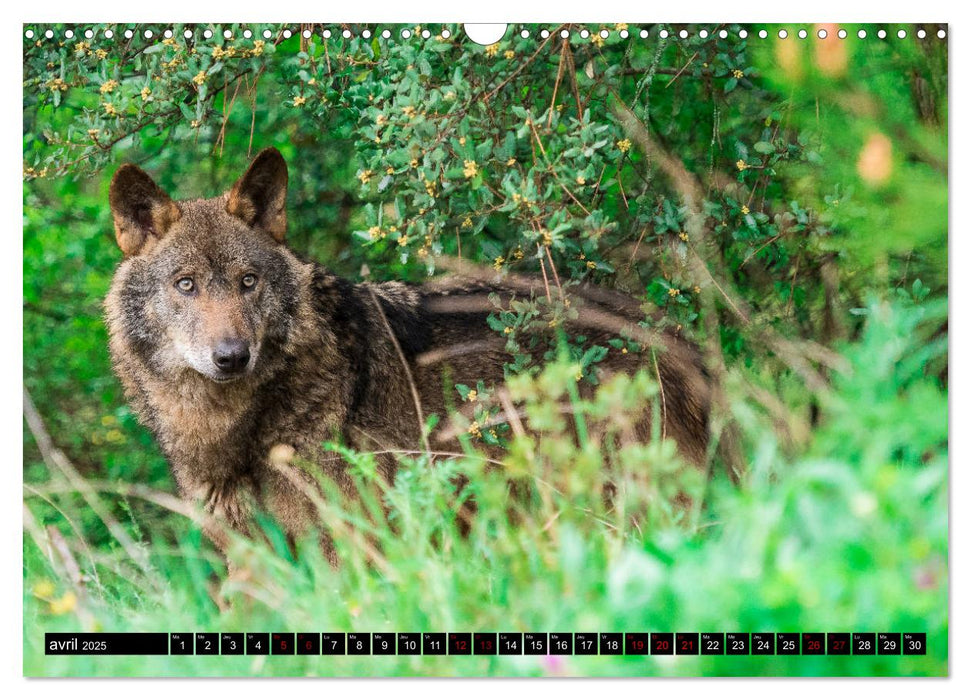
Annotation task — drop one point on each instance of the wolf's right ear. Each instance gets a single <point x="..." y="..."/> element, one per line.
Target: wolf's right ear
<point x="260" y="197"/>
<point x="140" y="208"/>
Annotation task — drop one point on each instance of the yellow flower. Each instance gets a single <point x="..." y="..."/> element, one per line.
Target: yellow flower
<point x="258" y="47"/>
<point x="737" y="74"/>
<point x="389" y="170"/>
<point x="509" y="54"/>
<point x="472" y="395"/>
<point x="741" y="164"/>
<point x="194" y="123"/>
<point x="683" y="236"/>
<point x="146" y="93"/>
<point x="365" y="176"/>
<point x="471" y="169"/>
<point x="547" y="238"/>
<point x="467" y="222"/>
<point x="624" y="145"/>
<point x="200" y="77"/>
<point x="409" y="111"/>
<point x="101" y="54"/>
<point x="43" y="589"/>
<point x="507" y="330"/>
<point x="474" y="430"/>
<point x="414" y="163"/>
<point x="108" y="85"/>
<point x="93" y="133"/>
<point x="497" y="263"/>
<point x="403" y="241"/>
<point x="493" y="434"/>
<point x="518" y="253"/>
<point x="581" y="180"/>
<point x="674" y="292"/>
<point x="511" y="162"/>
<point x="696" y="289"/>
<point x="64" y="604"/>
<point x="591" y="265"/>
<point x="81" y="46"/>
<point x="596" y="39"/>
<point x="430" y="187"/>
<point x="299" y="100"/>
<point x="623" y="351"/>
<point x="492" y="50"/>
<point x="57" y="84"/>
<point x="375" y="232"/>
<point x="620" y="27"/>
<point x="579" y="375"/>
<point x="110" y="109"/>
<point x="744" y="210"/>
<point x="462" y="141"/>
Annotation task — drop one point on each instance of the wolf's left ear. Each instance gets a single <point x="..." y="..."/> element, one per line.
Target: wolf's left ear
<point x="260" y="197"/>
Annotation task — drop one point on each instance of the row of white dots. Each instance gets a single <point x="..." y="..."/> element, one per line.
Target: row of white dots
<point x="544" y="34"/>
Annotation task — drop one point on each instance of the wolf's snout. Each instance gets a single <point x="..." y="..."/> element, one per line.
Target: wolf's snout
<point x="231" y="356"/>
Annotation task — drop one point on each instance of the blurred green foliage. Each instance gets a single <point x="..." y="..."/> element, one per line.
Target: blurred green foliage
<point x="781" y="202"/>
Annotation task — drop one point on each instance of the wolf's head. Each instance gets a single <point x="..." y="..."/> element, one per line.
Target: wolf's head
<point x="205" y="284"/>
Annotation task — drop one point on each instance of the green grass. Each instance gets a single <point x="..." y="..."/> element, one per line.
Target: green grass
<point x="849" y="536"/>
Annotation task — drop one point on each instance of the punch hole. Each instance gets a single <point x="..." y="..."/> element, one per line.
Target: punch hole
<point x="861" y="33"/>
<point x="446" y="34"/>
<point x="624" y="33"/>
<point x="69" y="34"/>
<point x="663" y="34"/>
<point x="207" y="34"/>
<point x="525" y="33"/>
<point x="129" y="33"/>
<point x="822" y="34"/>
<point x="841" y="33"/>
<point x="643" y="34"/>
<point x="88" y="34"/>
<point x="901" y="34"/>
<point x="584" y="34"/>
<point x="882" y="34"/>
<point x="247" y="34"/>
<point x="488" y="34"/>
<point x="683" y="34"/>
<point x="763" y="34"/>
<point x="941" y="33"/>
<point x="306" y="33"/>
<point x="386" y="34"/>
<point x="405" y="33"/>
<point x="29" y="34"/>
<point x="803" y="34"/>
<point x="742" y="34"/>
<point x="267" y="34"/>
<point x="564" y="33"/>
<point x="148" y="34"/>
<point x="227" y="34"/>
<point x="703" y="33"/>
<point x="604" y="33"/>
<point x="346" y="34"/>
<point x="167" y="34"/>
<point x="723" y="33"/>
<point x="544" y="33"/>
<point x="49" y="34"/>
<point x="366" y="34"/>
<point x="287" y="34"/>
<point x="425" y="34"/>
<point x="921" y="34"/>
<point x="109" y="33"/>
<point x="783" y="34"/>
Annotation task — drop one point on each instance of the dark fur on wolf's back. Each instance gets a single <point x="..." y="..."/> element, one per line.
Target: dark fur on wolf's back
<point x="309" y="357"/>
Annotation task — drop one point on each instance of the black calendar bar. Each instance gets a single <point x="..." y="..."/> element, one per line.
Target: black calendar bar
<point x="470" y="644"/>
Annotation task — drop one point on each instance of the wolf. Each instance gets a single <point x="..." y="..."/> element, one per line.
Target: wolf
<point x="230" y="346"/>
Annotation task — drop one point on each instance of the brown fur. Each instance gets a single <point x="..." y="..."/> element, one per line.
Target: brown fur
<point x="324" y="355"/>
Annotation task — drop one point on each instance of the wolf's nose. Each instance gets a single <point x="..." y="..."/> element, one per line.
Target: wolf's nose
<point x="231" y="355"/>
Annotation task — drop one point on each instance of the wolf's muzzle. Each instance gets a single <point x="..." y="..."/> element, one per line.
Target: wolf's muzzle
<point x="231" y="356"/>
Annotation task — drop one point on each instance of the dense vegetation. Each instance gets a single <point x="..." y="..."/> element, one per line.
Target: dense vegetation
<point x="781" y="202"/>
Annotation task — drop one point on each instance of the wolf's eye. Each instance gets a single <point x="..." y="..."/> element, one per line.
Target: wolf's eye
<point x="185" y="285"/>
<point x="249" y="281"/>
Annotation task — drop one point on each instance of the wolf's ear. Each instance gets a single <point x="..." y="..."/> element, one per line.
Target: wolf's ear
<point x="260" y="197"/>
<point x="140" y="208"/>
